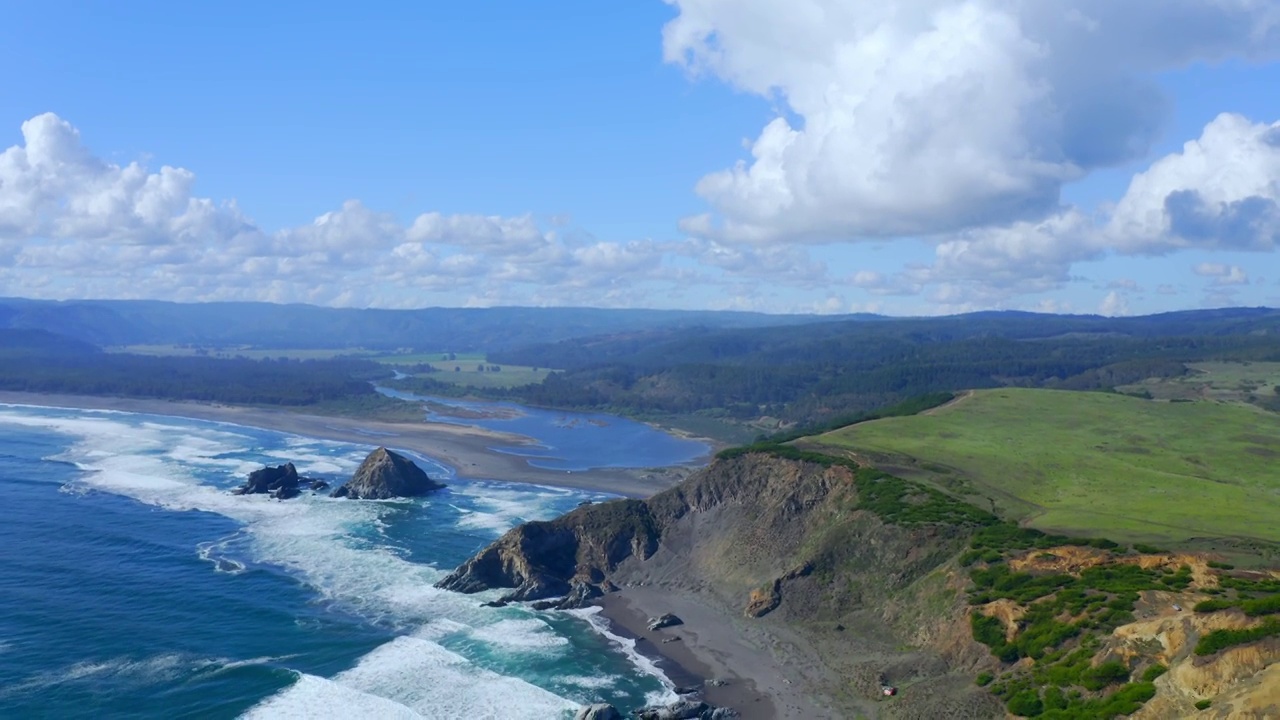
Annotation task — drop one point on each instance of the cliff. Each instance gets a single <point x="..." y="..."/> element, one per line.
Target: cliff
<point x="852" y="579"/>
<point x="788" y="544"/>
<point x="385" y="474"/>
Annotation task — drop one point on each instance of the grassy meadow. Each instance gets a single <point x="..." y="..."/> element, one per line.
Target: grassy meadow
<point x="1220" y="381"/>
<point x="1091" y="463"/>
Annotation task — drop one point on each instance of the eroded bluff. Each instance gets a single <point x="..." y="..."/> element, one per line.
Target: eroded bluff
<point x="744" y="529"/>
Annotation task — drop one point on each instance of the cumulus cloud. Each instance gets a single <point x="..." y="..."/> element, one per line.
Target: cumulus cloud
<point x="1114" y="305"/>
<point x="75" y="225"/>
<point x="1222" y="191"/>
<point x="1222" y="274"/>
<point x="934" y="116"/>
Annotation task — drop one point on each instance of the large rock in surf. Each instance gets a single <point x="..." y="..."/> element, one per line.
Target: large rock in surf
<point x="281" y="481"/>
<point x="385" y="474"/>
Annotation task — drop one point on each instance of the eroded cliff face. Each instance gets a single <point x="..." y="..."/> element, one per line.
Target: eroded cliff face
<point x="739" y="523"/>
<point x="783" y="544"/>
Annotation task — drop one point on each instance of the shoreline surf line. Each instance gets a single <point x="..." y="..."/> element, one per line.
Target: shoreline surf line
<point x="465" y="448"/>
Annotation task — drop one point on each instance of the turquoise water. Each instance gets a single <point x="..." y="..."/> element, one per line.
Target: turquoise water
<point x="133" y="584"/>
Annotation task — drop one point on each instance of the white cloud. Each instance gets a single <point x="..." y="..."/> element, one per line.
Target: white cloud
<point x="1114" y="304"/>
<point x="75" y="225"/>
<point x="1222" y="274"/>
<point x="1222" y="191"/>
<point x="936" y="116"/>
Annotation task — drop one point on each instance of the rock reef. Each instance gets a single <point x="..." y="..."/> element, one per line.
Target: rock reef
<point x="386" y="474"/>
<point x="281" y="482"/>
<point x="383" y="474"/>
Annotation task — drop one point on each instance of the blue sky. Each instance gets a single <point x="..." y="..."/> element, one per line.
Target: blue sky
<point x="912" y="157"/>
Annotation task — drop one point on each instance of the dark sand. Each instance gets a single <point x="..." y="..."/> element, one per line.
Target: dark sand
<point x="712" y="644"/>
<point x="467" y="449"/>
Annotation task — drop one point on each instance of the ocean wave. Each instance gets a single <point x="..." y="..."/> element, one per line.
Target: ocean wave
<point x="411" y="677"/>
<point x="162" y="668"/>
<point x="342" y="551"/>
<point x="601" y="625"/>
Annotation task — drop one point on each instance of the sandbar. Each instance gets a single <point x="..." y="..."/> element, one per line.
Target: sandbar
<point x="465" y="448"/>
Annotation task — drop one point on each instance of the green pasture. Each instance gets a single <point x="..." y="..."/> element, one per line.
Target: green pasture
<point x="1223" y="381"/>
<point x="1091" y="463"/>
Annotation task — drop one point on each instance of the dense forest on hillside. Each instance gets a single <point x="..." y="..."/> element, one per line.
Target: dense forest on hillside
<point x="777" y="376"/>
<point x="271" y="326"/>
<point x="805" y="374"/>
<point x="36" y="361"/>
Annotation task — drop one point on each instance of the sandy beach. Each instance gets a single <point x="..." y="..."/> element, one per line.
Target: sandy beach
<point x="711" y="644"/>
<point x="465" y="448"/>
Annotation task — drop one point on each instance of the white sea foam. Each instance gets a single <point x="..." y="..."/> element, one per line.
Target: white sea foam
<point x="415" y="676"/>
<point x="317" y="539"/>
<point x="316" y="697"/>
<point x="144" y="671"/>
<point x="500" y="507"/>
<point x="628" y="646"/>
<point x="525" y="633"/>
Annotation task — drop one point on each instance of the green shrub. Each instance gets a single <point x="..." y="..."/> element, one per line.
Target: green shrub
<point x="1154" y="672"/>
<point x="1054" y="699"/>
<point x="1147" y="549"/>
<point x="1026" y="704"/>
<point x="1207" y="606"/>
<point x="1203" y="704"/>
<point x="1221" y="565"/>
<point x="1108" y="673"/>
<point x="1222" y="639"/>
<point x="1261" y="606"/>
<point x="984" y="679"/>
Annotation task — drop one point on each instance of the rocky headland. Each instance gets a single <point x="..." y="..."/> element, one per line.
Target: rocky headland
<point x="792" y="570"/>
<point x="811" y="586"/>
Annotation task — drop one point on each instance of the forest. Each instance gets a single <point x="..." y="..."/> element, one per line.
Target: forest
<point x="38" y="361"/>
<point x="800" y="375"/>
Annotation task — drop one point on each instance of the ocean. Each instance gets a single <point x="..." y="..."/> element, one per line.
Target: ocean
<point x="132" y="584"/>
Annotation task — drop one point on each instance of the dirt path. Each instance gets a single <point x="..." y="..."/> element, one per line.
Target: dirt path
<point x="953" y="401"/>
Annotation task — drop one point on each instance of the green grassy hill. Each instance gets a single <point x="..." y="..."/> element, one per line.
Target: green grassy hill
<point x="1091" y="463"/>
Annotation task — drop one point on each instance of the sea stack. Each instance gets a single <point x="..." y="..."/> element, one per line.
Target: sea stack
<point x="280" y="481"/>
<point x="386" y="474"/>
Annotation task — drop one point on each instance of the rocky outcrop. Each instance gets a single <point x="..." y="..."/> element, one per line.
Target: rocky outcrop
<point x="679" y="710"/>
<point x="552" y="559"/>
<point x="282" y="482"/>
<point x="664" y="620"/>
<point x="385" y="474"/>
<point x="599" y="711"/>
<point x="685" y="710"/>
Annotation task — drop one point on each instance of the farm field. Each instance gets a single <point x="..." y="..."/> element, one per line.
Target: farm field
<point x="1090" y="463"/>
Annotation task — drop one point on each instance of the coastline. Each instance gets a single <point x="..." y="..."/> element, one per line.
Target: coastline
<point x="467" y="449"/>
<point x="711" y="645"/>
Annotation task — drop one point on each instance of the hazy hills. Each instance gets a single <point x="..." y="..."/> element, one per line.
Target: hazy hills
<point x="266" y="325"/>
